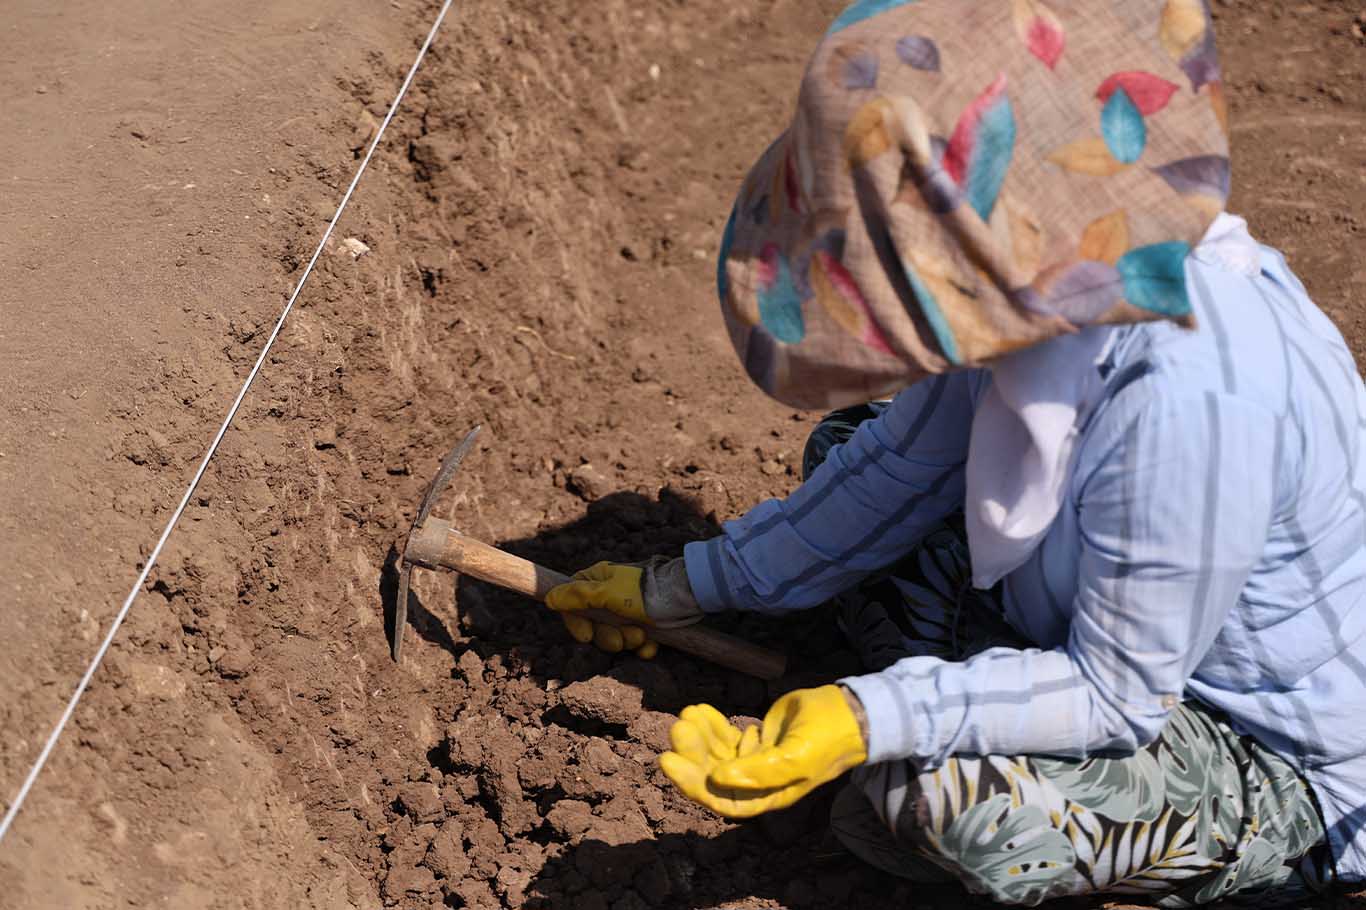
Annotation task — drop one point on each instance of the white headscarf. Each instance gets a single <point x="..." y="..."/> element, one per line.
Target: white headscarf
<point x="1024" y="435"/>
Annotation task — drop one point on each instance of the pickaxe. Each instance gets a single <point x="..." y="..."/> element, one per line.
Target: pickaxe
<point x="435" y="544"/>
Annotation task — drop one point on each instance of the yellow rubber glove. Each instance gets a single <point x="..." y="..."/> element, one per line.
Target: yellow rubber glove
<point x="605" y="586"/>
<point x="809" y="737"/>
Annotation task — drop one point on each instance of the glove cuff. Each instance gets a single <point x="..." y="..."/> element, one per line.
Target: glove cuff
<point x="669" y="600"/>
<point x="860" y="715"/>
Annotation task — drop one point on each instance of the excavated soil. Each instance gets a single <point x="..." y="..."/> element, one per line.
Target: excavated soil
<point x="539" y="237"/>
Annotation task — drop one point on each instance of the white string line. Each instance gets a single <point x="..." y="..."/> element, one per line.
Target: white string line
<point x="213" y="446"/>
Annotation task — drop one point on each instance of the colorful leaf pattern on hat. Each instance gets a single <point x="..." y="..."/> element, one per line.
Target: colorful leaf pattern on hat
<point x="1106" y="239"/>
<point x="780" y="306"/>
<point x="1088" y="156"/>
<point x="935" y="206"/>
<point x="836" y="290"/>
<point x="864" y="9"/>
<point x="1085" y="291"/>
<point x="1041" y="31"/>
<point x="1126" y="135"/>
<point x="1149" y="93"/>
<point x="1027" y="240"/>
<point x="1201" y="65"/>
<point x="786" y="188"/>
<point x="934" y="315"/>
<point x="979" y="152"/>
<point x="865" y="138"/>
<point x="1204" y="180"/>
<point x="855" y="67"/>
<point x="1219" y="101"/>
<point x="1182" y="27"/>
<point x="1155" y="278"/>
<point x="1188" y="37"/>
<point x="919" y="52"/>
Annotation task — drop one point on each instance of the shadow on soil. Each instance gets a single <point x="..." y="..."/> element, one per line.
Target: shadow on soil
<point x="622" y="527"/>
<point x="785" y="858"/>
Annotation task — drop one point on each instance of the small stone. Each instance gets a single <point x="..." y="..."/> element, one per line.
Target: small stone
<point x="474" y="894"/>
<point x="471" y="667"/>
<point x="540" y="772"/>
<point x="237" y="660"/>
<point x="354" y="247"/>
<point x="363" y="130"/>
<point x="651" y="801"/>
<point x="405" y="881"/>
<point x="117" y="825"/>
<point x="151" y="680"/>
<point x="570" y="818"/>
<point x="422" y="802"/>
<point x="602" y="699"/>
<point x="772" y="468"/>
<point x="598" y="756"/>
<point x="652" y="729"/>
<point x="512" y="883"/>
<point x="621" y="821"/>
<point x="589" y="483"/>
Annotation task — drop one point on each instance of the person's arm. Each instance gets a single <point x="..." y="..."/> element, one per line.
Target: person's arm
<point x="867" y="505"/>
<point x="1176" y="500"/>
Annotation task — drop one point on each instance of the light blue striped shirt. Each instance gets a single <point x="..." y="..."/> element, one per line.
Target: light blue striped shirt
<point x="1212" y="544"/>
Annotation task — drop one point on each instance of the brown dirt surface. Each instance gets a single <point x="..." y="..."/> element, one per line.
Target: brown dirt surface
<point x="542" y="223"/>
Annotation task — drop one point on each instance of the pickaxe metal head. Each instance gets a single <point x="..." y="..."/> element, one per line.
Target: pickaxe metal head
<point x="405" y="567"/>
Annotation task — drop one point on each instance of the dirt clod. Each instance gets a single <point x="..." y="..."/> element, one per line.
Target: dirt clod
<point x="422" y="802"/>
<point x="570" y="818"/>
<point x="589" y="483"/>
<point x="602" y="700"/>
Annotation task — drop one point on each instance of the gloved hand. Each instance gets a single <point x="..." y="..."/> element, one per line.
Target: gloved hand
<point x="808" y="738"/>
<point x="653" y="594"/>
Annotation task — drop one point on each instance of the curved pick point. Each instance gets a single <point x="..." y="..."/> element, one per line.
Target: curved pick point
<point x="401" y="611"/>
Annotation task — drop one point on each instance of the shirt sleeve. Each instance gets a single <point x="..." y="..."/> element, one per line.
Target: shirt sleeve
<point x="866" y="506"/>
<point x="1175" y="497"/>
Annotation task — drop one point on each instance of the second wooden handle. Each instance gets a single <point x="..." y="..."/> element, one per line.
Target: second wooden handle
<point x="438" y="545"/>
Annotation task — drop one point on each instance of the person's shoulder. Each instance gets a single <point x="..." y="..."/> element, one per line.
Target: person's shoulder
<point x="1240" y="348"/>
<point x="1163" y="362"/>
<point x="1171" y="382"/>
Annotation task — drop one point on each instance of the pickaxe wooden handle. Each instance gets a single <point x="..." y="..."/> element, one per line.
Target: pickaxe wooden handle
<point x="437" y="545"/>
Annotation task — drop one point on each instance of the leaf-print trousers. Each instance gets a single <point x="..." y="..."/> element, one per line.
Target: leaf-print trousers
<point x="1200" y="815"/>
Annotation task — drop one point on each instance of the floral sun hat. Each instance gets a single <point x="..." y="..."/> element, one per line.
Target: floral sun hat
<point x="965" y="179"/>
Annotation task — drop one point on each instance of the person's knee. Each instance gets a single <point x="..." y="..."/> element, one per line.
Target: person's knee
<point x="857" y="824"/>
<point x="995" y="844"/>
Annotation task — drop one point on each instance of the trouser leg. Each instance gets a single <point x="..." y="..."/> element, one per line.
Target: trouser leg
<point x="1200" y="815"/>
